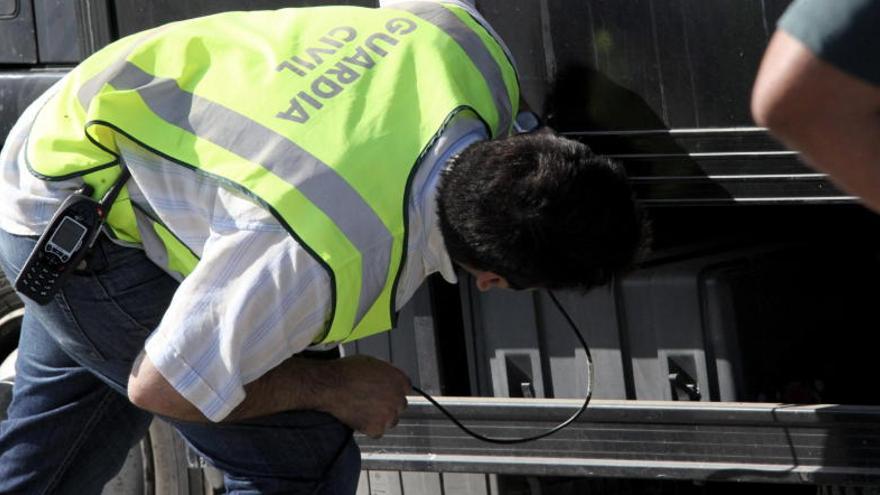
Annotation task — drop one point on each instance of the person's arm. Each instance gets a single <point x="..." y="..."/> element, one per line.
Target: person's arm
<point x="362" y="392"/>
<point x="829" y="116"/>
<point x="222" y="351"/>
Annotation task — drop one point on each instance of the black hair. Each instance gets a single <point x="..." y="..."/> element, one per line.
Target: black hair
<point x="540" y="210"/>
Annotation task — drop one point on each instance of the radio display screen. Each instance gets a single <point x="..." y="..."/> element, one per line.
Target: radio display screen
<point x="68" y="235"/>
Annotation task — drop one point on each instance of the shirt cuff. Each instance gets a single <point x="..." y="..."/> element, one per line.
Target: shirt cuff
<point x="526" y="121"/>
<point x="187" y="382"/>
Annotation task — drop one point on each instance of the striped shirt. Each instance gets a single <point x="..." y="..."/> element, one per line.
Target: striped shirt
<point x="256" y="297"/>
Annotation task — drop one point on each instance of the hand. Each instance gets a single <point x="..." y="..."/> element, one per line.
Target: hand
<point x="368" y="394"/>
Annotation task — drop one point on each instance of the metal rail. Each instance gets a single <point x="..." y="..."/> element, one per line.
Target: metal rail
<point x="638" y="439"/>
<point x="712" y="166"/>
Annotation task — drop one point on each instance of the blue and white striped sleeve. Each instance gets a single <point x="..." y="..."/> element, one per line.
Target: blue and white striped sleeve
<point x="255" y="299"/>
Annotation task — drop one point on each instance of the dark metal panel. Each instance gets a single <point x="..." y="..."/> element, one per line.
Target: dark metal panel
<point x="8" y="8"/>
<point x="524" y="27"/>
<point x="511" y="356"/>
<point x="519" y="337"/>
<point x="136" y="15"/>
<point x="664" y="87"/>
<point x="18" y="44"/>
<point x="17" y="90"/>
<point x="724" y="43"/>
<point x="596" y="316"/>
<point x="606" y="63"/>
<point x="57" y="31"/>
<point x="668" y="307"/>
<point x="646" y="64"/>
<point x="625" y="50"/>
<point x="697" y="441"/>
<point x="94" y="19"/>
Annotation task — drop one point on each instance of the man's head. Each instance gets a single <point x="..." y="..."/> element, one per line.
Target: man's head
<point x="538" y="210"/>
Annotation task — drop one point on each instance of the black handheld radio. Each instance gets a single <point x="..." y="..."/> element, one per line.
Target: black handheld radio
<point x="65" y="242"/>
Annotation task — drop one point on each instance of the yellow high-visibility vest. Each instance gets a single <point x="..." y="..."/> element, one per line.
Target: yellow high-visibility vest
<point x="320" y="115"/>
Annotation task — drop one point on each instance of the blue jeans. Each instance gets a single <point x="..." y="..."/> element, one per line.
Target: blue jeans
<point x="70" y="423"/>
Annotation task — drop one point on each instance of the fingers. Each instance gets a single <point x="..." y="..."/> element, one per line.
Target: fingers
<point x="377" y="433"/>
<point x="379" y="427"/>
<point x="403" y="382"/>
<point x="394" y="419"/>
<point x="392" y="424"/>
<point x="374" y="396"/>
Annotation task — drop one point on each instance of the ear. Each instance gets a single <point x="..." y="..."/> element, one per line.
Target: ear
<point x="489" y="280"/>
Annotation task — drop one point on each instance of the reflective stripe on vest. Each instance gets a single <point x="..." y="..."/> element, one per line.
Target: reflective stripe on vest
<point x="322" y="122"/>
<point x="477" y="49"/>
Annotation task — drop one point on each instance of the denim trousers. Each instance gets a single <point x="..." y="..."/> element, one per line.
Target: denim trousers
<point x="70" y="424"/>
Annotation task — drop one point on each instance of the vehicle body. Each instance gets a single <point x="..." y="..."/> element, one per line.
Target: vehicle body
<point x="740" y="350"/>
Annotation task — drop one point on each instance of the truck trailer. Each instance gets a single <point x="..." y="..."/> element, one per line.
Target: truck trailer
<point x="738" y="355"/>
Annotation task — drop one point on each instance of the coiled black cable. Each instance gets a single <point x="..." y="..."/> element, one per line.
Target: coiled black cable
<point x="551" y="431"/>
